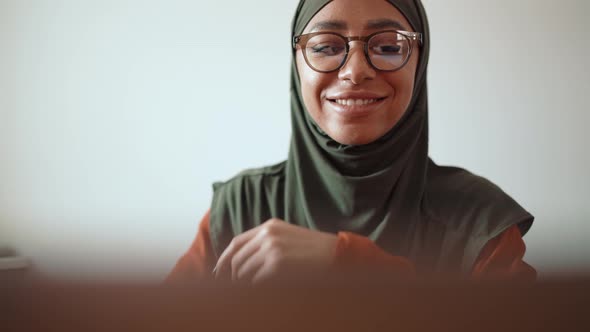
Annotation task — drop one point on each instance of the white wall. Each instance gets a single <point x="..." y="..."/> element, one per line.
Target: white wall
<point x="116" y="117"/>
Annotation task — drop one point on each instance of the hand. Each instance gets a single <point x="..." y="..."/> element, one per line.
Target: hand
<point x="276" y="249"/>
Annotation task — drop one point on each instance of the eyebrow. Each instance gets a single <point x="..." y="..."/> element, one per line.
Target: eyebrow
<point x="329" y="25"/>
<point x="383" y="23"/>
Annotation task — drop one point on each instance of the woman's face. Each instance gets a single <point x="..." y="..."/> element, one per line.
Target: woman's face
<point x="325" y="94"/>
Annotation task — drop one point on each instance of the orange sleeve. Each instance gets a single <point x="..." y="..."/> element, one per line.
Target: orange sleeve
<point x="500" y="258"/>
<point x="355" y="251"/>
<point x="197" y="263"/>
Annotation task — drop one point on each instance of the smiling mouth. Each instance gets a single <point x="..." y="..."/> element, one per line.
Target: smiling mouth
<point x="354" y="109"/>
<point x="356" y="102"/>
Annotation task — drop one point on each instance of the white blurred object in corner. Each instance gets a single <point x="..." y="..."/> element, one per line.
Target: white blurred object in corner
<point x="10" y="261"/>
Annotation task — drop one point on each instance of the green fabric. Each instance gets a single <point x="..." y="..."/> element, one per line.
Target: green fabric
<point x="388" y="190"/>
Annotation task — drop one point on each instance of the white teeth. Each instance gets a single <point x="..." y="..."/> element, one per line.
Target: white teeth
<point x="351" y="102"/>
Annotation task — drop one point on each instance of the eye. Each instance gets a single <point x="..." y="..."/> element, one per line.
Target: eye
<point x="387" y="49"/>
<point x="326" y="49"/>
<point x="389" y="44"/>
<point x="326" y="45"/>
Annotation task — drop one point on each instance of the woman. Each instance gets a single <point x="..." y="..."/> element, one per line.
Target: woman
<point x="358" y="190"/>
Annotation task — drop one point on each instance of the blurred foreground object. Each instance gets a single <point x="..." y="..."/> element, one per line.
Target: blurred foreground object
<point x="13" y="268"/>
<point x="367" y="304"/>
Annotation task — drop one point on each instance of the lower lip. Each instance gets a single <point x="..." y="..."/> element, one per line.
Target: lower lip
<point x="356" y="111"/>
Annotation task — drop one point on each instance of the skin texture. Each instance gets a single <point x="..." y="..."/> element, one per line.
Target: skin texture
<point x="357" y="76"/>
<point x="276" y="249"/>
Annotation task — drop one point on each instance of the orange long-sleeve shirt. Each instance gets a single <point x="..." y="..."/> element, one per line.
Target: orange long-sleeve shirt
<point x="501" y="257"/>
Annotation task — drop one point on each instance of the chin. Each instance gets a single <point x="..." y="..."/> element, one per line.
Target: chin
<point x="353" y="138"/>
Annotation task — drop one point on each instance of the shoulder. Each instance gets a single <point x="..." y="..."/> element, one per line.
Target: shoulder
<point x="249" y="193"/>
<point x="251" y="179"/>
<point x="459" y="182"/>
<point x="470" y="209"/>
<point x="466" y="201"/>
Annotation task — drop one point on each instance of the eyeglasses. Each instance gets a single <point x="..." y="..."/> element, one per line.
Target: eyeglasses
<point x="387" y="50"/>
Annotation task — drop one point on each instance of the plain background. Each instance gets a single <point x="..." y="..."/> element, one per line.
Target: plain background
<point x="116" y="117"/>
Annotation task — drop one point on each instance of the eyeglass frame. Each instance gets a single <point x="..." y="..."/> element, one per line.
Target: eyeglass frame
<point x="411" y="36"/>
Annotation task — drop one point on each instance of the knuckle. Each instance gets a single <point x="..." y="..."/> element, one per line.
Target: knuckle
<point x="267" y="232"/>
<point x="237" y="241"/>
<point x="232" y="244"/>
<point x="273" y="244"/>
<point x="273" y="222"/>
<point x="272" y="227"/>
<point x="264" y="231"/>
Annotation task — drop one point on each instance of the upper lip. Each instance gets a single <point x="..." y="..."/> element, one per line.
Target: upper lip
<point x="355" y="95"/>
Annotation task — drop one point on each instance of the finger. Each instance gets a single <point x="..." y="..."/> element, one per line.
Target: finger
<point x="223" y="266"/>
<point x="250" y="267"/>
<point x="245" y="253"/>
<point x="264" y="272"/>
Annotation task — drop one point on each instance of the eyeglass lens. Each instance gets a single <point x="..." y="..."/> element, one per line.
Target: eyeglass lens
<point x="386" y="51"/>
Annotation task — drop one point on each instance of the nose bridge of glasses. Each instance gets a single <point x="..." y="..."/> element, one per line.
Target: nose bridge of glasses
<point x="355" y="39"/>
<point x="358" y="51"/>
<point x="360" y="41"/>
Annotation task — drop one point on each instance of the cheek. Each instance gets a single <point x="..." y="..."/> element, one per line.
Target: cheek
<point x="404" y="86"/>
<point x="403" y="82"/>
<point x="411" y="69"/>
<point x="312" y="85"/>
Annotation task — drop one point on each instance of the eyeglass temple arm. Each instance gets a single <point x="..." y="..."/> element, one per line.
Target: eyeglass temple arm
<point x="417" y="36"/>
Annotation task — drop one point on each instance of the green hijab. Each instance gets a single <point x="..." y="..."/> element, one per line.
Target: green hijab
<point x="388" y="190"/>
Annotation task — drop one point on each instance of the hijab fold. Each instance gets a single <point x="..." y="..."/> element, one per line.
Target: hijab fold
<point x="388" y="190"/>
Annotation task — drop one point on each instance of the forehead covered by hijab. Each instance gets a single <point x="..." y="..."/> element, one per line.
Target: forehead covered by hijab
<point x="308" y="8"/>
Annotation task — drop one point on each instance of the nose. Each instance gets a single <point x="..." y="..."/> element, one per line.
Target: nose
<point x="357" y="68"/>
